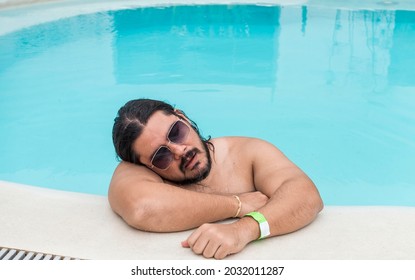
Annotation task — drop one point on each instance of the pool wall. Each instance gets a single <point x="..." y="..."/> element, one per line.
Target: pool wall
<point x="83" y="226"/>
<point x="47" y="10"/>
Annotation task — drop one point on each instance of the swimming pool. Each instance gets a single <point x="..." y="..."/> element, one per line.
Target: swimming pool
<point x="333" y="88"/>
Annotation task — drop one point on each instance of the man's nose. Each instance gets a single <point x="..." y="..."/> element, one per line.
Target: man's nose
<point x="178" y="150"/>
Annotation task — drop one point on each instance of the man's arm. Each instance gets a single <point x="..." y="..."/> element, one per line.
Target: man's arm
<point x="294" y="199"/>
<point x="145" y="202"/>
<point x="294" y="203"/>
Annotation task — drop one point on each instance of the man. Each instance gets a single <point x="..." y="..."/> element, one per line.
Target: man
<point x="172" y="179"/>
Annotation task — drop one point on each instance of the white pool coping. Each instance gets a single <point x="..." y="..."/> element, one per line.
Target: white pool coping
<point x="18" y="14"/>
<point x="83" y="226"/>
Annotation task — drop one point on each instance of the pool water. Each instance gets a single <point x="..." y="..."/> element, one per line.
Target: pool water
<point x="333" y="89"/>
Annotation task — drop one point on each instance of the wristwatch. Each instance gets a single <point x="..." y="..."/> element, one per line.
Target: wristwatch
<point x="262" y="222"/>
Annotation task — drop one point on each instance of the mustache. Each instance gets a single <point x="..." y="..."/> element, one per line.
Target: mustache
<point x="202" y="173"/>
<point x="188" y="156"/>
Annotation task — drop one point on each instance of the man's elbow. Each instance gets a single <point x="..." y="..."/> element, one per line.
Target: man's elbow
<point x="318" y="203"/>
<point x="315" y="201"/>
<point x="140" y="215"/>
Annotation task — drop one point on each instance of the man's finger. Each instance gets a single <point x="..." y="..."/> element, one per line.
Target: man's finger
<point x="185" y="244"/>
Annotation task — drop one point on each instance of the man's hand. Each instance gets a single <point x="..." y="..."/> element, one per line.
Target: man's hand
<point x="251" y="201"/>
<point x="220" y="240"/>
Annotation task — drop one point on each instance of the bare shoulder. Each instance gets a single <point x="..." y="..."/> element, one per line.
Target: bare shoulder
<point x="256" y="152"/>
<point x="247" y="146"/>
<point x="127" y="182"/>
<point x="237" y="141"/>
<point x="236" y="147"/>
<point x="126" y="172"/>
<point x="270" y="167"/>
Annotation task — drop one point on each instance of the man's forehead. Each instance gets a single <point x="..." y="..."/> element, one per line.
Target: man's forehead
<point x="159" y="120"/>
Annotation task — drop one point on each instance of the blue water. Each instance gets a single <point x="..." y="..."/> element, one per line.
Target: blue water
<point x="333" y="89"/>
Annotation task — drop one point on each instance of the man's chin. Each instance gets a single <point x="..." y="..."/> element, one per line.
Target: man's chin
<point x="195" y="177"/>
<point x="199" y="172"/>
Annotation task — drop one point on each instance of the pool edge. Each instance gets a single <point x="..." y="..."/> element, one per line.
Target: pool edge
<point x="83" y="226"/>
<point x="49" y="10"/>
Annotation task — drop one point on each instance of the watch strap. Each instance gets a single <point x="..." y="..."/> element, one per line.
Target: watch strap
<point x="262" y="222"/>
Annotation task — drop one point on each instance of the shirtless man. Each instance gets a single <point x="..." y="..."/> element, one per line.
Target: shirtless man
<point x="172" y="179"/>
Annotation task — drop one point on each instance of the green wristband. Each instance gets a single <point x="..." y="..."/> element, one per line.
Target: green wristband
<point x="262" y="222"/>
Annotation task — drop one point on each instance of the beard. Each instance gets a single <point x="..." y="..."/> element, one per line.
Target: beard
<point x="202" y="173"/>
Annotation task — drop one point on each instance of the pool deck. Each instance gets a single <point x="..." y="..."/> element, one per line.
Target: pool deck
<point x="83" y="226"/>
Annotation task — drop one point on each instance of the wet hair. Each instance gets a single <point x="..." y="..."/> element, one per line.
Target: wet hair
<point x="132" y="118"/>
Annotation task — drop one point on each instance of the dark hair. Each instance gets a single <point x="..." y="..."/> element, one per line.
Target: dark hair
<point x="130" y="121"/>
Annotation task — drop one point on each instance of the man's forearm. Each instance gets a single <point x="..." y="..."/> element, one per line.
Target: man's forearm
<point x="180" y="210"/>
<point x="293" y="205"/>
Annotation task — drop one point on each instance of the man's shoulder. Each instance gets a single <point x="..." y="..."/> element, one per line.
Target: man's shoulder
<point x="128" y="172"/>
<point x="241" y="146"/>
<point x="238" y="140"/>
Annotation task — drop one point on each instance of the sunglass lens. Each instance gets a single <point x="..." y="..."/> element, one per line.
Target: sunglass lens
<point x="162" y="158"/>
<point x="178" y="132"/>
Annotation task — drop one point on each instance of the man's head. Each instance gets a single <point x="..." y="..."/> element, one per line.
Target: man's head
<point x="153" y="133"/>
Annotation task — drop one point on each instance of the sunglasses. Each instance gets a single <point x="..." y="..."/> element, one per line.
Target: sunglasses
<point x="177" y="134"/>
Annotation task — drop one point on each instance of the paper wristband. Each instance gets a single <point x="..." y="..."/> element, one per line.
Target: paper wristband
<point x="263" y="224"/>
